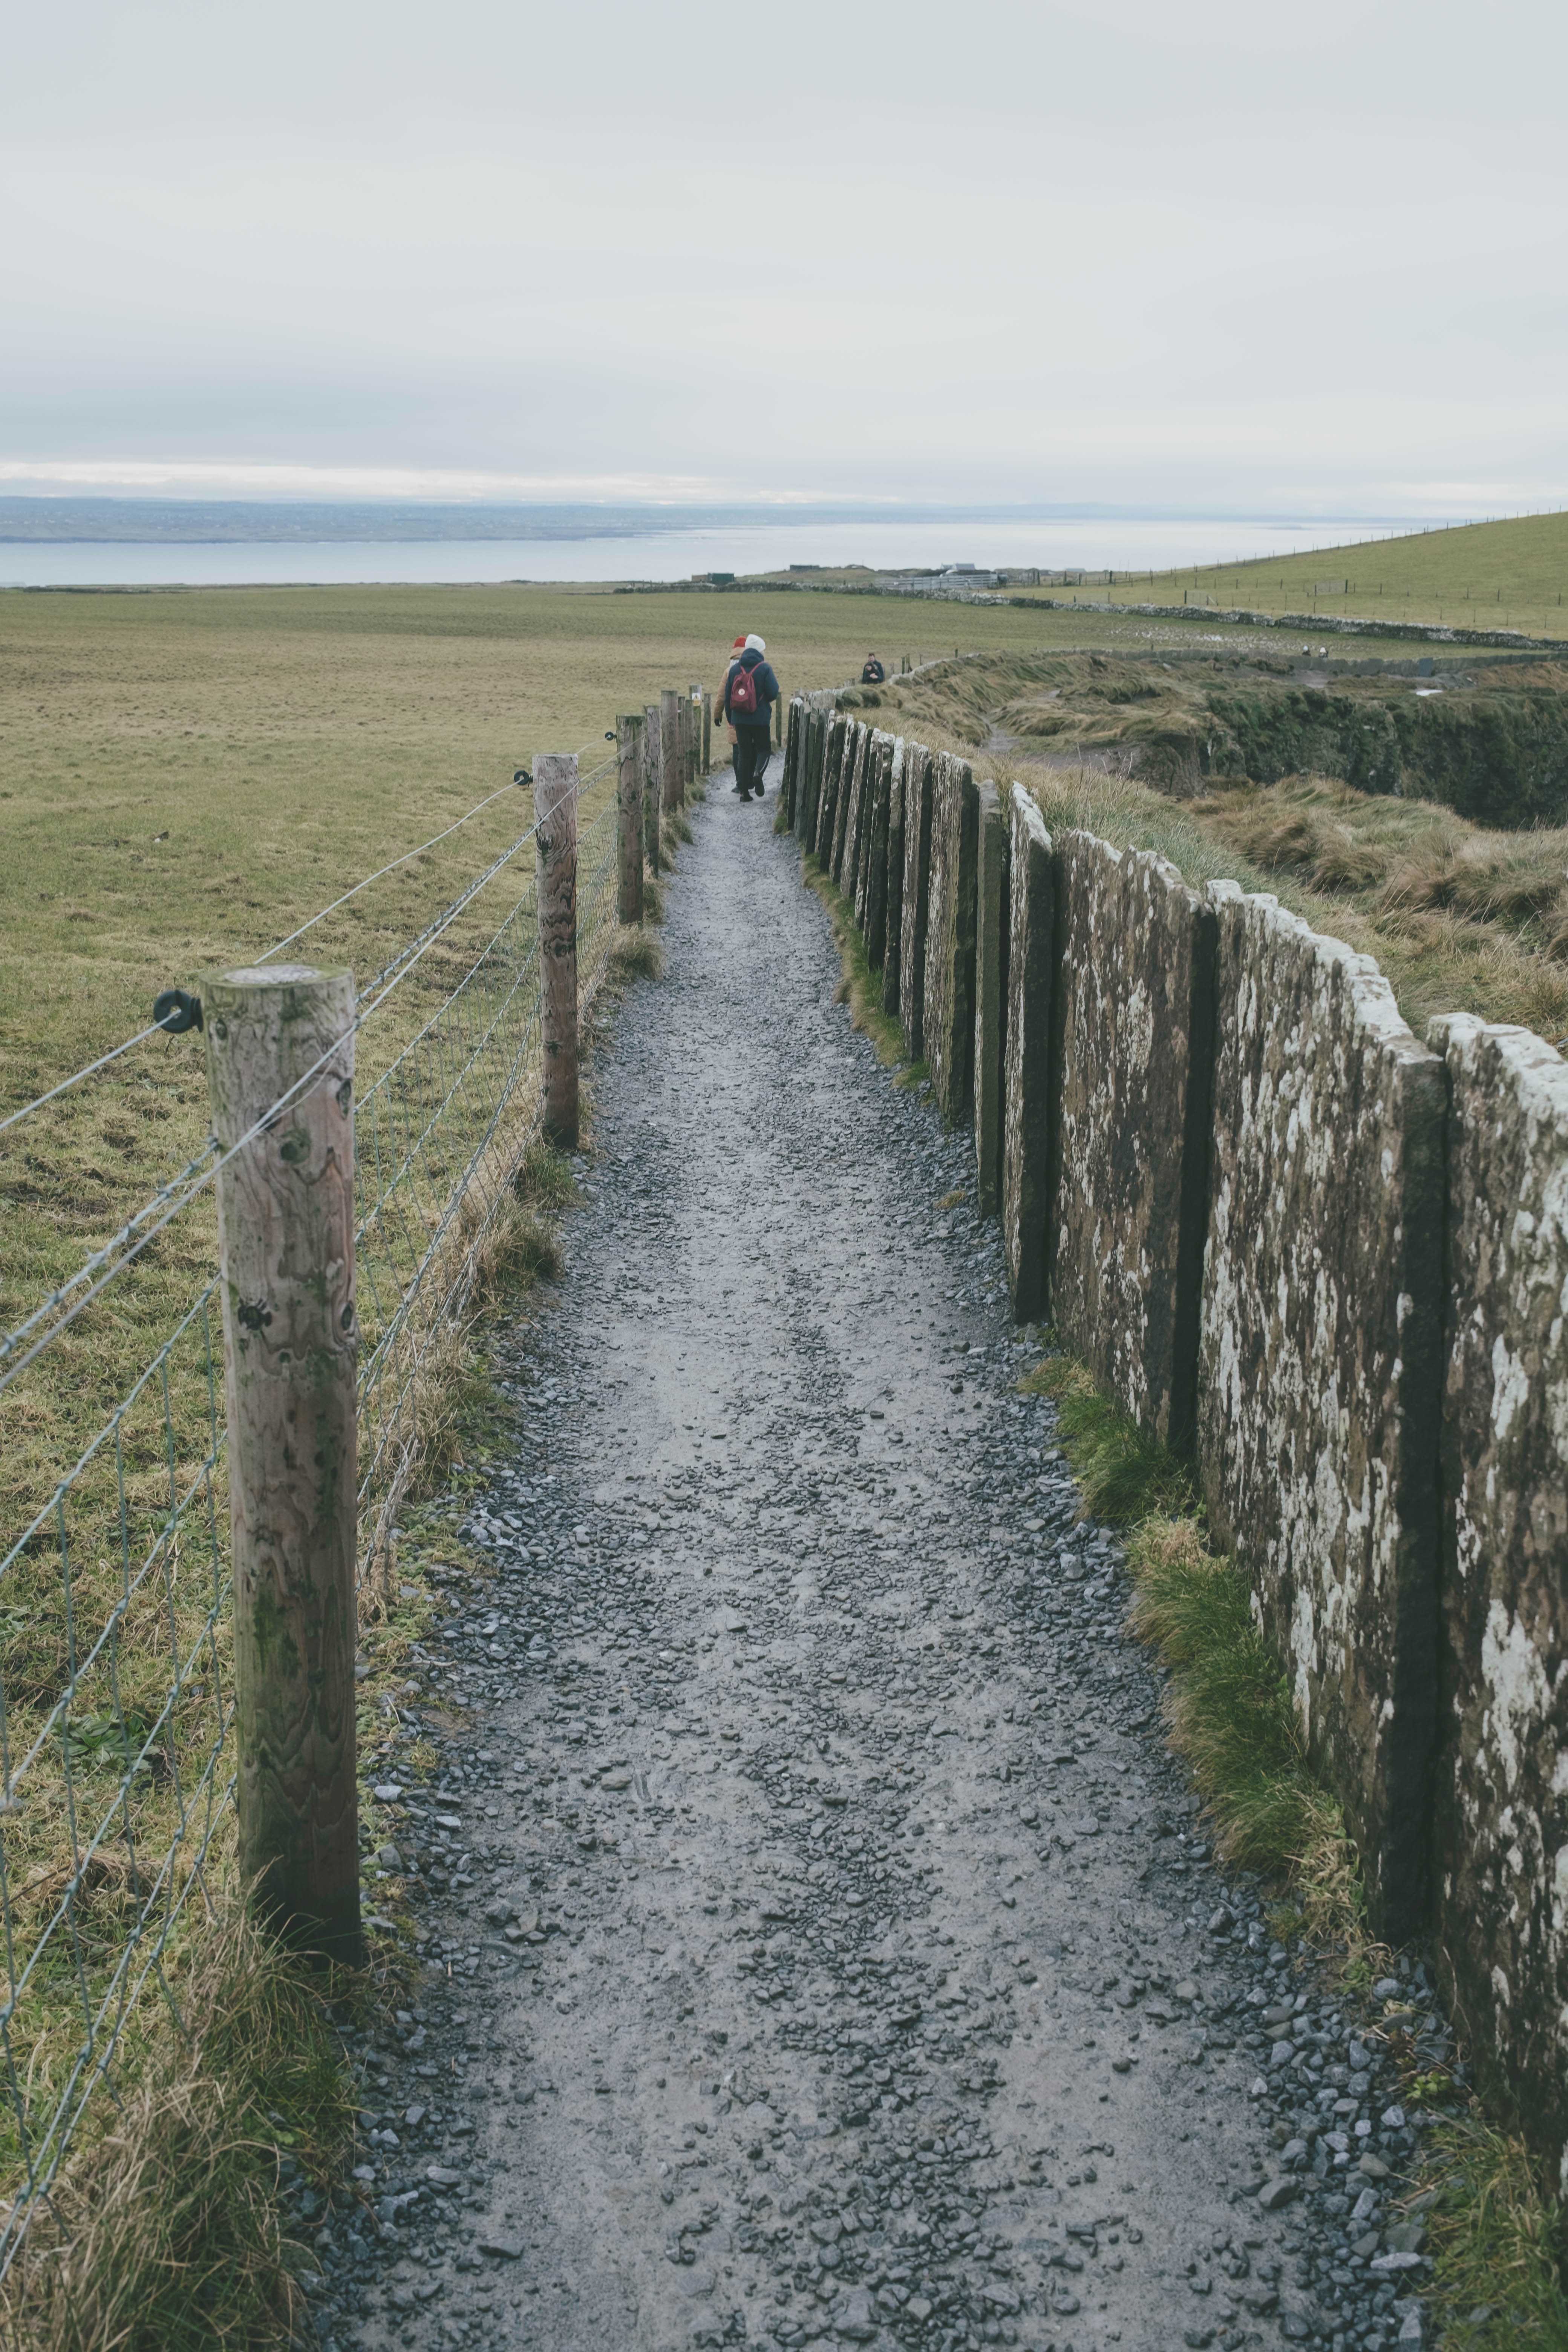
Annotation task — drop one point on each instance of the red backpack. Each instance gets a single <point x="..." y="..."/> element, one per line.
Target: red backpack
<point x="743" y="692"/>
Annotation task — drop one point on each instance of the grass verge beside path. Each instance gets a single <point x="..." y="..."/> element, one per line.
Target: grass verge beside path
<point x="861" y="987"/>
<point x="1497" y="2236"/>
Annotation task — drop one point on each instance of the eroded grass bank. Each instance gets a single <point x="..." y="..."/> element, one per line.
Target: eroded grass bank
<point x="1459" y="917"/>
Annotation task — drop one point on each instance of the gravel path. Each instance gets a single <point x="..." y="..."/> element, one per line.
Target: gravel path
<point x="822" y="1947"/>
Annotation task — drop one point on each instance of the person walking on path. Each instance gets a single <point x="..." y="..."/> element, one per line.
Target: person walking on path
<point x="736" y="650"/>
<point x="751" y="690"/>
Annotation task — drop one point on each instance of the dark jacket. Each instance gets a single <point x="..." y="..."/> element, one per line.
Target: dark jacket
<point x="767" y="691"/>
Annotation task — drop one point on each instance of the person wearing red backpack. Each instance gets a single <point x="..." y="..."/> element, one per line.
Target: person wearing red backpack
<point x="751" y="690"/>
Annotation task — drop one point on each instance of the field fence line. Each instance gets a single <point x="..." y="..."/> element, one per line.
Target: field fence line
<point x="117" y="1701"/>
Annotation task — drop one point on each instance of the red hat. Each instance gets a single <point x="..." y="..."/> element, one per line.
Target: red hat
<point x="739" y="647"/>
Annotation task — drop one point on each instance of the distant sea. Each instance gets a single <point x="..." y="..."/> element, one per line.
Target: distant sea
<point x="660" y="553"/>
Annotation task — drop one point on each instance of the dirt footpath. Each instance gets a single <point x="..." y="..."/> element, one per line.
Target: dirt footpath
<point x="823" y="1946"/>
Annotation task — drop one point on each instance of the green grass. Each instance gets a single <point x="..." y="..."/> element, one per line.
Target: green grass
<point x="1124" y="1475"/>
<point x="1498" y="2239"/>
<point x="1485" y="575"/>
<point x="861" y="987"/>
<point x="166" y="2236"/>
<point x="1498" y="2243"/>
<point x="1228" y="1707"/>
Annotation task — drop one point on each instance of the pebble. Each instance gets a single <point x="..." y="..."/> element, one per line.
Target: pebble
<point x="817" y="1944"/>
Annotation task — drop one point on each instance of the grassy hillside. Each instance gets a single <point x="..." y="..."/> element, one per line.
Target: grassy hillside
<point x="1483" y="576"/>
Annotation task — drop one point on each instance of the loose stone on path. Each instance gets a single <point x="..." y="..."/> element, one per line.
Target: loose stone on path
<point x="820" y="1947"/>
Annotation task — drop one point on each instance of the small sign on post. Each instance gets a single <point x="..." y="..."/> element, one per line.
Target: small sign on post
<point x="629" y="824"/>
<point x="286" y="1239"/>
<point x="555" y="843"/>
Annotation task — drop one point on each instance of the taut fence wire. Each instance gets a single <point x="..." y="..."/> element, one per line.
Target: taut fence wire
<point x="117" y="1698"/>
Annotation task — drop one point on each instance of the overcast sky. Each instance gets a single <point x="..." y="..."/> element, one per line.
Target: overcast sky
<point x="1245" y="257"/>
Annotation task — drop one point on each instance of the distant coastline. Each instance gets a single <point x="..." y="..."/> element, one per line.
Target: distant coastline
<point x="201" y="522"/>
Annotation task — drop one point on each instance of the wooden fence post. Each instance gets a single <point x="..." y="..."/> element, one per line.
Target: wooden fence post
<point x="629" y="819"/>
<point x="669" y="746"/>
<point x="707" y="730"/>
<point x="696" y="711"/>
<point x="653" y="776"/>
<point x="286" y="1239"/>
<point x="555" y="842"/>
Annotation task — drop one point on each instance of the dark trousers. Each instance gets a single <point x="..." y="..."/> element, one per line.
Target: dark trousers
<point x="752" y="745"/>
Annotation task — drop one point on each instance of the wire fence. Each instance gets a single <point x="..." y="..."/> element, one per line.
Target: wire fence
<point x="117" y="1706"/>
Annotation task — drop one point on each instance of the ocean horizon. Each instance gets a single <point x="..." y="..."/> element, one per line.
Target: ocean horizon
<point x="627" y="548"/>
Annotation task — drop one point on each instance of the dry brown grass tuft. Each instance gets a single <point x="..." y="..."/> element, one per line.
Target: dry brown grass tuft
<point x="162" y="2235"/>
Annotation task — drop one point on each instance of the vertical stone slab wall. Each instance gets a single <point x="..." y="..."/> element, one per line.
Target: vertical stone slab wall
<point x="1134" y="1031"/>
<point x="948" y="1019"/>
<point x="827" y="800"/>
<point x="842" y="790"/>
<point x="893" y="882"/>
<point x="919" y="782"/>
<point x="856" y="876"/>
<point x="847" y="831"/>
<point x="1320" y="1361"/>
<point x="809" y="797"/>
<point x="794" y="747"/>
<point x="874" y="866"/>
<point x="990" y="995"/>
<point x="1027" y="1066"/>
<point x="1502" y="1806"/>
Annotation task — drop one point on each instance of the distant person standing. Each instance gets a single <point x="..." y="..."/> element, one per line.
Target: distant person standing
<point x="873" y="674"/>
<point x="751" y="690"/>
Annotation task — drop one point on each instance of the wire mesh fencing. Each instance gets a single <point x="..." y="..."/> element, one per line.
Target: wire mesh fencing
<point x="117" y="1701"/>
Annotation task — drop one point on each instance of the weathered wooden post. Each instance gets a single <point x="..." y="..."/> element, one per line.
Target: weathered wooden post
<point x="669" y="745"/>
<point x="629" y="819"/>
<point x="708" y="730"/>
<point x="653" y="782"/>
<point x="286" y="1239"/>
<point x="556" y="845"/>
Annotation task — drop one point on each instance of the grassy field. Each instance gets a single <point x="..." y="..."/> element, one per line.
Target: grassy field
<point x="1486" y="575"/>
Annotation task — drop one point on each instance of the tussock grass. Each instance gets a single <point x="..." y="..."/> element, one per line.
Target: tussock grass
<point x="544" y="1181"/>
<point x="165" y="2235"/>
<point x="1499" y="2242"/>
<point x="1125" y="1476"/>
<point x="1498" y="2245"/>
<point x="1229" y="1708"/>
<point x="635" y="954"/>
<point x="860" y="987"/>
